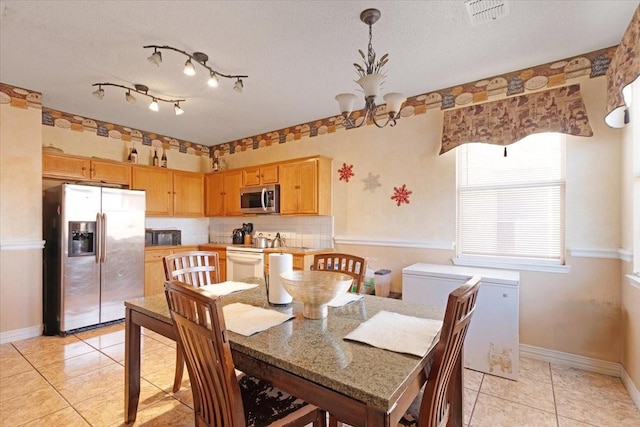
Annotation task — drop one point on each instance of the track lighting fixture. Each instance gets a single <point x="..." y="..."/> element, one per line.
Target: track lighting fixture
<point x="155" y="58"/>
<point x="189" y="68"/>
<point x="99" y="93"/>
<point x="238" y="86"/>
<point x="130" y="98"/>
<point x="154" y="105"/>
<point x="213" y="80"/>
<point x="142" y="90"/>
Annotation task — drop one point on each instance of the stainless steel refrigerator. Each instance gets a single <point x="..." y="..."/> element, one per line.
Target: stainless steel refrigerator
<point x="94" y="254"/>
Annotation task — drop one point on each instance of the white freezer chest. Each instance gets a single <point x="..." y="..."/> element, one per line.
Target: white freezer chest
<point x="492" y="342"/>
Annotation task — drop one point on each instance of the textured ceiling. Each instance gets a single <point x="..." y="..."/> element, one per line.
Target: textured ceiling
<point x="298" y="54"/>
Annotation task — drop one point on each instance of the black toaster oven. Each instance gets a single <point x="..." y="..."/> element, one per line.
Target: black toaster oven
<point x="162" y="237"/>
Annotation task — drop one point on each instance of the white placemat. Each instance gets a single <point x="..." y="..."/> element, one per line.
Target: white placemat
<point x="247" y="319"/>
<point x="344" y="299"/>
<point x="397" y="332"/>
<point x="228" y="287"/>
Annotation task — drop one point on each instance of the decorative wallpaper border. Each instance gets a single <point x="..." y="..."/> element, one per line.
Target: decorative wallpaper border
<point x="72" y="122"/>
<point x="19" y="97"/>
<point x="557" y="73"/>
<point x="23" y="98"/>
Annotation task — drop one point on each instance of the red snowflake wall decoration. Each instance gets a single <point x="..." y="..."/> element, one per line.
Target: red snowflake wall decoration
<point x="346" y="172"/>
<point x="401" y="195"/>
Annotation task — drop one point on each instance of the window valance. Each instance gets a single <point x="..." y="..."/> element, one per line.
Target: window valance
<point x="509" y="120"/>
<point x="623" y="70"/>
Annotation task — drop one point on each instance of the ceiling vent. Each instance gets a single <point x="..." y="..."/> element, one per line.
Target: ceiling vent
<point x="481" y="11"/>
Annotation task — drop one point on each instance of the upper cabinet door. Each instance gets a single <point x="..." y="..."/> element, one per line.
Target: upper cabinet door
<point x="260" y="175"/>
<point x="158" y="184"/>
<point x="114" y="172"/>
<point x="188" y="190"/>
<point x="214" y="194"/>
<point x="63" y="166"/>
<point x="232" y="185"/>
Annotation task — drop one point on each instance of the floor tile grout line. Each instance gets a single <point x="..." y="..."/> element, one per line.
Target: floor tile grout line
<point x="553" y="393"/>
<point x="475" y="401"/>
<point x="52" y="387"/>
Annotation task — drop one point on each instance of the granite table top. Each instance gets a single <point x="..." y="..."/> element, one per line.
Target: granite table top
<point x="316" y="350"/>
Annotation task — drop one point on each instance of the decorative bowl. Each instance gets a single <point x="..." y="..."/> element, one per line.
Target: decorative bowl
<point x="314" y="289"/>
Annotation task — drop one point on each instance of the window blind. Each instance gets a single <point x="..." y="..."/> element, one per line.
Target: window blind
<point x="512" y="207"/>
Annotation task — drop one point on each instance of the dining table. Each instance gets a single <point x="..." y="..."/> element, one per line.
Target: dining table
<point x="360" y="384"/>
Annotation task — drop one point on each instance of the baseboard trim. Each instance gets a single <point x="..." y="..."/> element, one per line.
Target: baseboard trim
<point x="20" y="334"/>
<point x="631" y="387"/>
<point x="572" y="360"/>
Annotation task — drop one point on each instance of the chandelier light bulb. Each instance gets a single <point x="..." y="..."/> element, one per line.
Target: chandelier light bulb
<point x="189" y="69"/>
<point x="154" y="105"/>
<point x="177" y="109"/>
<point x="155" y="58"/>
<point x="98" y="93"/>
<point x="213" y="80"/>
<point x="130" y="98"/>
<point x="238" y="86"/>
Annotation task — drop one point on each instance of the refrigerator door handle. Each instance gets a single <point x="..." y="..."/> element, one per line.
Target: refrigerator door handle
<point x="103" y="237"/>
<point x="98" y="242"/>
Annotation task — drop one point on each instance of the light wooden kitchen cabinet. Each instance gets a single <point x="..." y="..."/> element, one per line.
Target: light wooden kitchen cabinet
<point x="170" y="193"/>
<point x="305" y="187"/>
<point x="222" y="258"/>
<point x="222" y="193"/>
<point x="74" y="167"/>
<point x="154" y="277"/>
<point x="188" y="188"/>
<point x="260" y="175"/>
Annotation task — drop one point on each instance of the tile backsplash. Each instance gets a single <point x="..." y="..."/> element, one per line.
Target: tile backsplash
<point x="307" y="231"/>
<point x="310" y="232"/>
<point x="195" y="231"/>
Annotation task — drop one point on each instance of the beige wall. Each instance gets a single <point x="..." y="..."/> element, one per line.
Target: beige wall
<point x="20" y="219"/>
<point x="630" y="291"/>
<point x="578" y="312"/>
<point x="87" y="143"/>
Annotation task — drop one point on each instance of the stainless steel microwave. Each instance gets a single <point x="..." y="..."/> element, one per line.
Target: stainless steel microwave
<point x="259" y="199"/>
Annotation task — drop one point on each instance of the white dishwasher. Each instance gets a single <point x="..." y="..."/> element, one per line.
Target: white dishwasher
<point x="492" y="342"/>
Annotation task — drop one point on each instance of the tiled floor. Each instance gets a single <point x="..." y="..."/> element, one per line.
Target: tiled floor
<point x="78" y="381"/>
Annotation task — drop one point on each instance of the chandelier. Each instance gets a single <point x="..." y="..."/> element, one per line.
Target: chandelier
<point x="371" y="79"/>
<point x="142" y="90"/>
<point x="189" y="69"/>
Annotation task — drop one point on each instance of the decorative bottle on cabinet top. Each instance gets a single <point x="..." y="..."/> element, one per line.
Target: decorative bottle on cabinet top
<point x="156" y="160"/>
<point x="163" y="162"/>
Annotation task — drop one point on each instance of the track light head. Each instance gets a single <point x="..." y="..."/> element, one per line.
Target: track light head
<point x="177" y="109"/>
<point x="99" y="93"/>
<point x="189" y="69"/>
<point x="155" y="58"/>
<point x="154" y="105"/>
<point x="238" y="86"/>
<point x="213" y="80"/>
<point x="130" y="98"/>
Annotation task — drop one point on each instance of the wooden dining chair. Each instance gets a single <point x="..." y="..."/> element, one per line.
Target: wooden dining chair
<point x="220" y="398"/>
<point x="352" y="265"/>
<point x="431" y="408"/>
<point x="196" y="268"/>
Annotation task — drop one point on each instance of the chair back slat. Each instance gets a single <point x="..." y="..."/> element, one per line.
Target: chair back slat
<point x="435" y="406"/>
<point x="199" y="322"/>
<point x="196" y="268"/>
<point x="352" y="265"/>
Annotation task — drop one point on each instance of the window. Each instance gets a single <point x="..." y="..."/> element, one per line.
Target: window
<point x="511" y="209"/>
